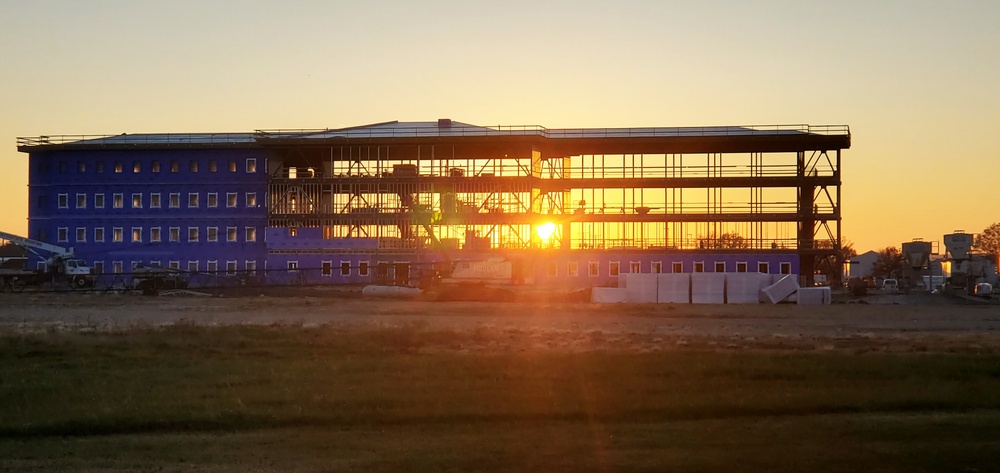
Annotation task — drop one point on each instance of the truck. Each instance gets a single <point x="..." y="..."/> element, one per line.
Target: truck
<point x="152" y="279"/>
<point x="61" y="266"/>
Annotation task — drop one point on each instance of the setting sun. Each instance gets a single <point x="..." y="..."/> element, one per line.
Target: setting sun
<point x="545" y="230"/>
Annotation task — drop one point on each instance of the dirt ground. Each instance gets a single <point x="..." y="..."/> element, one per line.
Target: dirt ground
<point x="926" y="323"/>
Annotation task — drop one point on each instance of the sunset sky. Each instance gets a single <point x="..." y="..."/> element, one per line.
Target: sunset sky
<point x="918" y="82"/>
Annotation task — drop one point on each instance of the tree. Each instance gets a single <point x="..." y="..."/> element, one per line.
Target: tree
<point x="988" y="242"/>
<point x="889" y="263"/>
<point x="847" y="250"/>
<point x="834" y="269"/>
<point x="731" y="240"/>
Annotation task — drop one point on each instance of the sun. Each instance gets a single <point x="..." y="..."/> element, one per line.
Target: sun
<point x="545" y="230"/>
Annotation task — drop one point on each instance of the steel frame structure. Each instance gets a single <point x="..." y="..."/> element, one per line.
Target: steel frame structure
<point x="451" y="186"/>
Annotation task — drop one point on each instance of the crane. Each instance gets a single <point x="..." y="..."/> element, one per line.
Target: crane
<point x="59" y="260"/>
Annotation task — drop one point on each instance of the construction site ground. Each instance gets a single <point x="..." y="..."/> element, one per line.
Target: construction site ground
<point x="898" y="322"/>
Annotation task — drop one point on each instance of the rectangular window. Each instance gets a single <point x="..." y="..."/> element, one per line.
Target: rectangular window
<point x="99" y="201"/>
<point x="154" y="200"/>
<point x="594" y="269"/>
<point x="251" y="164"/>
<point x="251" y="233"/>
<point x="786" y="268"/>
<point x="136" y="264"/>
<point x="677" y="267"/>
<point x="174" y="265"/>
<point x="213" y="166"/>
<point x="741" y="267"/>
<point x="251" y="267"/>
<point x="118" y="167"/>
<point x="81" y="234"/>
<point x="192" y="200"/>
<point x="136" y="201"/>
<point x="232" y="166"/>
<point x="251" y="198"/>
<point x="154" y="234"/>
<point x="136" y="167"/>
<point x="99" y="234"/>
<point x="192" y="266"/>
<point x="230" y="234"/>
<point x="81" y="201"/>
<point x="656" y="267"/>
<point x="213" y="233"/>
<point x="293" y="266"/>
<point x="213" y="267"/>
<point x="98" y="267"/>
<point x="117" y="267"/>
<point x="192" y="233"/>
<point x="635" y="267"/>
<point x="613" y="268"/>
<point x="175" y="200"/>
<point x="573" y="269"/>
<point x="363" y="268"/>
<point x="63" y="234"/>
<point x="231" y="268"/>
<point x="81" y="167"/>
<point x="63" y="201"/>
<point x="99" y="167"/>
<point x="345" y="268"/>
<point x="230" y="199"/>
<point x="156" y="166"/>
<point x="117" y="235"/>
<point x="62" y="167"/>
<point x="119" y="201"/>
<point x="553" y="269"/>
<point x="175" y="234"/>
<point x="763" y="268"/>
<point x="720" y="266"/>
<point x="175" y="166"/>
<point x="699" y="266"/>
<point x="326" y="268"/>
<point x="193" y="167"/>
<point x="213" y="199"/>
<point x="43" y="201"/>
<point x="293" y="231"/>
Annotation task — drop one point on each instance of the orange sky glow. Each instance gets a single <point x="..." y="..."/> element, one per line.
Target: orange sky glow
<point x="916" y="81"/>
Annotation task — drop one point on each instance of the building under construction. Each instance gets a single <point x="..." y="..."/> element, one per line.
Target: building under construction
<point x="401" y="201"/>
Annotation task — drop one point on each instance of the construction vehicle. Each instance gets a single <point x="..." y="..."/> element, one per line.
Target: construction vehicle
<point x="61" y="266"/>
<point x="153" y="279"/>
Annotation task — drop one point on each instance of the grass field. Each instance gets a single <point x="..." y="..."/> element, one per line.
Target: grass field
<point x="412" y="398"/>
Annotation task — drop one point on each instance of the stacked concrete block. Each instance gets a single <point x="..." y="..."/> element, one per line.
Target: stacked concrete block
<point x="673" y="288"/>
<point x="708" y="288"/>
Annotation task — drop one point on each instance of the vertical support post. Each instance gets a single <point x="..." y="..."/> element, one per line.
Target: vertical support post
<point x="806" y="223"/>
<point x="838" y="246"/>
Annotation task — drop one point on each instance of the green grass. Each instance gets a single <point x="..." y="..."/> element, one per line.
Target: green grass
<point x="285" y="398"/>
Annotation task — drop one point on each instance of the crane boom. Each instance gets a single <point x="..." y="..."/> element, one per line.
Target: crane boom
<point x="56" y="250"/>
<point x="61" y="262"/>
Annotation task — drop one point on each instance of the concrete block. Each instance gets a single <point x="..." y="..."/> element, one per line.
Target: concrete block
<point x="708" y="288"/>
<point x="814" y="295"/>
<point x="609" y="295"/>
<point x="779" y="291"/>
<point x="673" y="288"/>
